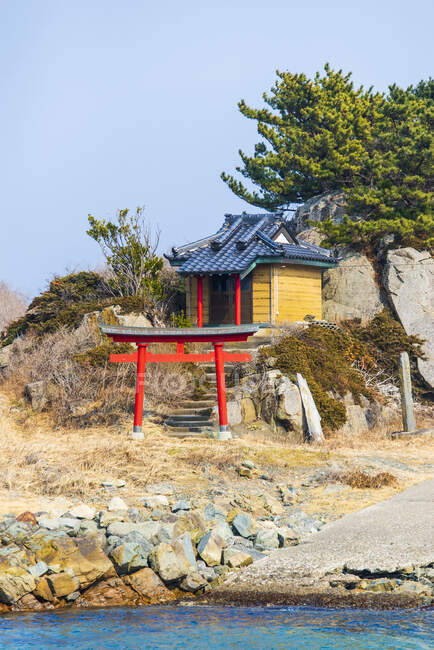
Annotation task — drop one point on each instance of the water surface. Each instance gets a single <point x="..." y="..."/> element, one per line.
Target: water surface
<point x="218" y="627"/>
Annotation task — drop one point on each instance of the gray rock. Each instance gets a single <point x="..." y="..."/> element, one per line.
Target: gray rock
<point x="223" y="529"/>
<point x="14" y="587"/>
<point x="357" y="422"/>
<point x="244" y="525"/>
<point x="130" y="557"/>
<point x="165" y="534"/>
<point x="409" y="280"/>
<point x="88" y="527"/>
<point x="15" y="531"/>
<point x="82" y="511"/>
<point x="266" y="538"/>
<point x="351" y="289"/>
<point x="243" y="541"/>
<point x="68" y="524"/>
<point x="155" y="501"/>
<point x="253" y="552"/>
<point x="37" y="393"/>
<point x="234" y="412"/>
<point x="168" y="564"/>
<point x="147" y="528"/>
<point x="113" y="541"/>
<point x="319" y="208"/>
<point x="116" y="504"/>
<point x="210" y="548"/>
<point x="183" y="504"/>
<point x="249" y="464"/>
<point x="212" y="512"/>
<point x="39" y="569"/>
<point x="289" y="409"/>
<point x="193" y="582"/>
<point x="106" y="518"/>
<point x="184" y="551"/>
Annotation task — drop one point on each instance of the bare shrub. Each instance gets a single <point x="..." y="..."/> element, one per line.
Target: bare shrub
<point x="85" y="394"/>
<point x="12" y="305"/>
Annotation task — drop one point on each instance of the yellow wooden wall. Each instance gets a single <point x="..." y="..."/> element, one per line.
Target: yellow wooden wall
<point x="297" y="292"/>
<point x="294" y="288"/>
<point x="261" y="293"/>
<point x="206" y="291"/>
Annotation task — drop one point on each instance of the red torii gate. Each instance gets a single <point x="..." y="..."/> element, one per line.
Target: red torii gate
<point x="143" y="336"/>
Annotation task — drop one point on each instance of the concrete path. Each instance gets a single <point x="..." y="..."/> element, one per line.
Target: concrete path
<point x="387" y="537"/>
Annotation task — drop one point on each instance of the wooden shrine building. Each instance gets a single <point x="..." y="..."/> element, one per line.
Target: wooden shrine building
<point x="253" y="270"/>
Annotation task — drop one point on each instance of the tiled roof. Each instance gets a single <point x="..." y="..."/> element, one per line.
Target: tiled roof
<point x="241" y="241"/>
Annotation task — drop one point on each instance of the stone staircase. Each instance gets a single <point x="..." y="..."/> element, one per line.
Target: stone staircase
<point x="193" y="416"/>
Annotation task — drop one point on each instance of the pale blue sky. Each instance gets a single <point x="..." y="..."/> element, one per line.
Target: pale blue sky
<point x="112" y="104"/>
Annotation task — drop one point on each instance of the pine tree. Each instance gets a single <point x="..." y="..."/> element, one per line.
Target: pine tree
<point x="323" y="134"/>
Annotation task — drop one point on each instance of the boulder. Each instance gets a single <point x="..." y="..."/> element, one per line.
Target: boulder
<point x="351" y="290"/>
<point x="127" y="558"/>
<point x="155" y="501"/>
<point x="234" y="412"/>
<point x="149" y="586"/>
<point x="116" y="504"/>
<point x="244" y="525"/>
<point x="236" y="559"/>
<point x="190" y="522"/>
<point x="287" y="536"/>
<point x="109" y="593"/>
<point x="37" y="393"/>
<point x="146" y="528"/>
<point x="289" y="406"/>
<point x="83" y="556"/>
<point x="357" y="421"/>
<point x="184" y="552"/>
<point x="267" y="538"/>
<point x="210" y="548"/>
<point x="319" y="208"/>
<point x="62" y="584"/>
<point x="38" y="570"/>
<point x="43" y="591"/>
<point x="409" y="280"/>
<point x="82" y="511"/>
<point x="182" y="504"/>
<point x="167" y="563"/>
<point x="193" y="582"/>
<point x="14" y="587"/>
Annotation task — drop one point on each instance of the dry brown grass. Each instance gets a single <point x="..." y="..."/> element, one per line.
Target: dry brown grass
<point x="362" y="480"/>
<point x="85" y="394"/>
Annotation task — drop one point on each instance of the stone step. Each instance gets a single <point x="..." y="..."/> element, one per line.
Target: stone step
<point x="191" y="411"/>
<point x="180" y="417"/>
<point x="187" y="430"/>
<point x="189" y="423"/>
<point x="200" y="403"/>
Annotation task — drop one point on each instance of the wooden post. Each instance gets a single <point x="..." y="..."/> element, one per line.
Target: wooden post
<point x="221" y="391"/>
<point x="408" y="420"/>
<point x="140" y="390"/>
<point x="237" y="299"/>
<point x="199" y="301"/>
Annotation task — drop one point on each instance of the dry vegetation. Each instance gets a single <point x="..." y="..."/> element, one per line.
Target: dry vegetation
<point x="81" y="388"/>
<point x="37" y="461"/>
<point x="12" y="305"/>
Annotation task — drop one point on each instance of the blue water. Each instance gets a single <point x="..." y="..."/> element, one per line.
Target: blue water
<point x="218" y="627"/>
